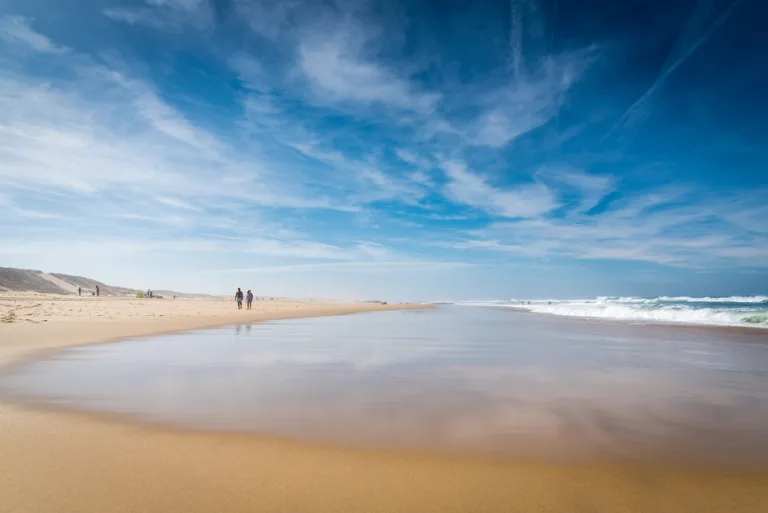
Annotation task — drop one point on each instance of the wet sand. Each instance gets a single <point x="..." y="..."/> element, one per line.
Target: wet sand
<point x="56" y="461"/>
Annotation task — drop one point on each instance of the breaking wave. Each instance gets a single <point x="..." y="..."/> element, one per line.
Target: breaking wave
<point x="747" y="311"/>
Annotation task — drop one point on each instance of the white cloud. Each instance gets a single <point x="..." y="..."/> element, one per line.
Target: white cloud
<point x="413" y="159"/>
<point x="420" y="175"/>
<point x="249" y="69"/>
<point x="526" y="200"/>
<point x="590" y="188"/>
<point x="105" y="132"/>
<point x="104" y="151"/>
<point x="176" y="203"/>
<point x="10" y="208"/>
<point x="647" y="227"/>
<point x="16" y="30"/>
<point x="361" y="182"/>
<point x="107" y="246"/>
<point x="537" y="250"/>
<point x="165" y="14"/>
<point x="421" y="178"/>
<point x="167" y="120"/>
<point x="448" y="217"/>
<point x="748" y="212"/>
<point x="179" y="4"/>
<point x="337" y="73"/>
<point x="374" y="250"/>
<point x="366" y="267"/>
<point x="146" y="17"/>
<point x="527" y="102"/>
<point x="270" y="19"/>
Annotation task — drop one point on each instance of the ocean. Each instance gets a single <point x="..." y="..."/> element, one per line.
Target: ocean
<point x="744" y="311"/>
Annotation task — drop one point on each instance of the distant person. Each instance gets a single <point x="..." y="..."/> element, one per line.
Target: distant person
<point x="97" y="291"/>
<point x="79" y="291"/>
<point x="239" y="298"/>
<point x="249" y="299"/>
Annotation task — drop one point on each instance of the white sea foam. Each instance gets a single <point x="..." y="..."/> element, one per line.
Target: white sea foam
<point x="729" y="299"/>
<point x="683" y="299"/>
<point x="717" y="311"/>
<point x="664" y="314"/>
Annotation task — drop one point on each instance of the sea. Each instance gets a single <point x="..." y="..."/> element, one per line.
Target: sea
<point x="744" y="311"/>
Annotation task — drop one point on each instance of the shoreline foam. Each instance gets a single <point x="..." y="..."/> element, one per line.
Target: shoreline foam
<point x="731" y="312"/>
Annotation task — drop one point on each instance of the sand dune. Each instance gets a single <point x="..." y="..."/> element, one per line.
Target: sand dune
<point x="28" y="281"/>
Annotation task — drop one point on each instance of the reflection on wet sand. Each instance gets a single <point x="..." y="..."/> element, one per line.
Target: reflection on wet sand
<point x="451" y="379"/>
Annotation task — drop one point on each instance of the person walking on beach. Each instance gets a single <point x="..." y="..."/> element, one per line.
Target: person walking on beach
<point x="239" y="298"/>
<point x="79" y="291"/>
<point x="249" y="299"/>
<point x="97" y="291"/>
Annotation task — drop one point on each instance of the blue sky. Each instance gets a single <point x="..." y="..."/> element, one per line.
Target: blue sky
<point x="406" y="150"/>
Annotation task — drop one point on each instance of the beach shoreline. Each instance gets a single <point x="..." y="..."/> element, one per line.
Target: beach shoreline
<point x="66" y="461"/>
<point x="55" y="324"/>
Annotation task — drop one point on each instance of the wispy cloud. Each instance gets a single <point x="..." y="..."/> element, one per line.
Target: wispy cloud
<point x="529" y="101"/>
<point x="415" y="160"/>
<point x="271" y="19"/>
<point x="143" y="16"/>
<point x="17" y="30"/>
<point x="355" y="267"/>
<point x="524" y="200"/>
<point x="336" y="72"/>
<point x="590" y="188"/>
<point x="102" y="143"/>
<point x="658" y="228"/>
<point x="107" y="246"/>
<point x="121" y="136"/>
<point x="164" y="14"/>
<point x="9" y="208"/>
<point x="694" y="34"/>
<point x="176" y="203"/>
<point x="168" y="121"/>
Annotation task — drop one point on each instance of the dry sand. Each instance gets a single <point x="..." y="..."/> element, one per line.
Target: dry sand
<point x="31" y="322"/>
<point x="54" y="461"/>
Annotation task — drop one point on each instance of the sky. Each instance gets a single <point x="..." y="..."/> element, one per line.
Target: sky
<point x="393" y="150"/>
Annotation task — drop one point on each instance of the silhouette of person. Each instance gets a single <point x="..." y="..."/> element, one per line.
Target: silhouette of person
<point x="239" y="298"/>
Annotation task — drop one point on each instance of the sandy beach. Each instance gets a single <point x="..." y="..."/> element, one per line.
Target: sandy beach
<point x="31" y="322"/>
<point x="58" y="461"/>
